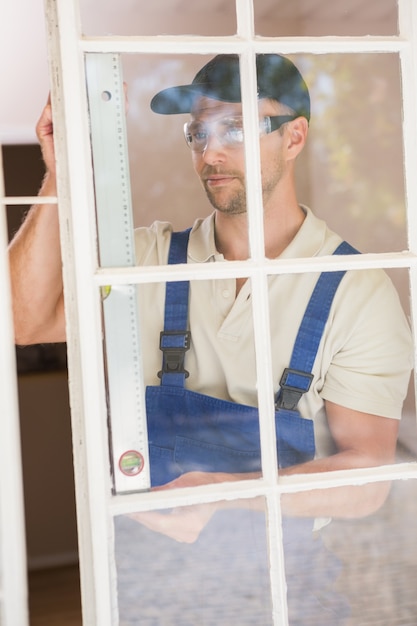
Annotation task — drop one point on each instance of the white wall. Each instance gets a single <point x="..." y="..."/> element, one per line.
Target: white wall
<point x="23" y="69"/>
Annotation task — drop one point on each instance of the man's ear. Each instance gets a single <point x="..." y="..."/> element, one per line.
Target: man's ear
<point x="296" y="135"/>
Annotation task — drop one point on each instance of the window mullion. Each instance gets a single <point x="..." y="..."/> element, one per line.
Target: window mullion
<point x="170" y="44"/>
<point x="262" y="343"/>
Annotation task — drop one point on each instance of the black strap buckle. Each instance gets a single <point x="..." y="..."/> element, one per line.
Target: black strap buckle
<point x="293" y="384"/>
<point x="174" y="344"/>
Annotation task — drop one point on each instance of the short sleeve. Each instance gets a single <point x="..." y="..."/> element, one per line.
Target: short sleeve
<point x="371" y="347"/>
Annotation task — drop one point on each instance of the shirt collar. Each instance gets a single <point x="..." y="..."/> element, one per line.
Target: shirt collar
<point x="309" y="240"/>
<point x="202" y="246"/>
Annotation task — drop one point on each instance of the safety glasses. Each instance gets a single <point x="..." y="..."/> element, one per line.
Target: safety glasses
<point x="228" y="130"/>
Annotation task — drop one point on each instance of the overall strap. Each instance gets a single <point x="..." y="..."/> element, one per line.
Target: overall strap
<point x="297" y="378"/>
<point x="175" y="338"/>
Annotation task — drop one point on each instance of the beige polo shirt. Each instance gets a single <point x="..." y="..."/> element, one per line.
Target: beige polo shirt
<point x="365" y="355"/>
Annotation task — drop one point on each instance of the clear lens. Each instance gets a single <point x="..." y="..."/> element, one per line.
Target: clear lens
<point x="227" y="130"/>
<point x="230" y="130"/>
<point x="265" y="126"/>
<point x="196" y="135"/>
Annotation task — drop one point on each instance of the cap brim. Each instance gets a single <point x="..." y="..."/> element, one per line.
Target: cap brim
<point x="181" y="99"/>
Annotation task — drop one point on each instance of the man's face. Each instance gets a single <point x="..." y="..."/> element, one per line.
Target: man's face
<point x="221" y="167"/>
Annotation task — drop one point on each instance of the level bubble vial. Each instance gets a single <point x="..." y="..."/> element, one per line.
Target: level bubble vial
<point x="131" y="463"/>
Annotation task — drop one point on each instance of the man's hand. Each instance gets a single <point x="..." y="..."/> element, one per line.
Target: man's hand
<point x="184" y="524"/>
<point x="45" y="134"/>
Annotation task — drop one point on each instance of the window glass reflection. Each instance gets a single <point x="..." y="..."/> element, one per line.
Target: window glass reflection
<point x="349" y="571"/>
<point x="350" y="172"/>
<point x="170" y="574"/>
<point x="285" y="18"/>
<point x="379" y="558"/>
<point x="159" y="17"/>
<point x="201" y="416"/>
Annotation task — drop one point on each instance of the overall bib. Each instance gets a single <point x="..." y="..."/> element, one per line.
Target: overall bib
<point x="191" y="431"/>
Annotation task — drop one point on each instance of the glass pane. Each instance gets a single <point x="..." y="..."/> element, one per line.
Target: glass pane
<point x="216" y="576"/>
<point x="159" y="17"/>
<point x="200" y="401"/>
<point x="338" y="339"/>
<point x="342" y="165"/>
<point x="378" y="555"/>
<point x="286" y="18"/>
<point x="208" y="564"/>
<point x="353" y="569"/>
<point x="350" y="172"/>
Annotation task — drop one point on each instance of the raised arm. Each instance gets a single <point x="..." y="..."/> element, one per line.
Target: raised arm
<point x="35" y="259"/>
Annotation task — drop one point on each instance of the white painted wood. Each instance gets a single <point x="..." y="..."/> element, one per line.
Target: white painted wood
<point x="13" y="581"/>
<point x="162" y="44"/>
<point x="121" y="505"/>
<point x="29" y="200"/>
<point x="120" y="276"/>
<point x="85" y="359"/>
<point x="260" y="307"/>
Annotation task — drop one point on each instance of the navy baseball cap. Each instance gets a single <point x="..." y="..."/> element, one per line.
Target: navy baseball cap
<point x="277" y="78"/>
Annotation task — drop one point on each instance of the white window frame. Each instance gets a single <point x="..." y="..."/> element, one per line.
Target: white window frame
<point x="96" y="507"/>
<point x="13" y="578"/>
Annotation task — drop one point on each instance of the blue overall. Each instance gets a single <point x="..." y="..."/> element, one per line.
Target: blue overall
<point x="191" y="431"/>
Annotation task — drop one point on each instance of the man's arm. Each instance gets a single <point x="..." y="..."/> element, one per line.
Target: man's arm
<point x="35" y="259"/>
<point x="362" y="440"/>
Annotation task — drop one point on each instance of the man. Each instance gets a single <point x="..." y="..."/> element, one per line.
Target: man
<point x="361" y="372"/>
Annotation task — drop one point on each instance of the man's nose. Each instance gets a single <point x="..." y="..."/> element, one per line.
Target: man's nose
<point x="214" y="151"/>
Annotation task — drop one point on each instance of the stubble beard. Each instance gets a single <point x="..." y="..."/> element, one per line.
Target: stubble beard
<point x="235" y="205"/>
<point x="236" y="202"/>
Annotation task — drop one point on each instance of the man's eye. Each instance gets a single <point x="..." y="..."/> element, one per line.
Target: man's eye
<point x="199" y="135"/>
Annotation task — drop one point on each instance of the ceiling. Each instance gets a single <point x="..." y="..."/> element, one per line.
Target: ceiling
<point x="23" y="50"/>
